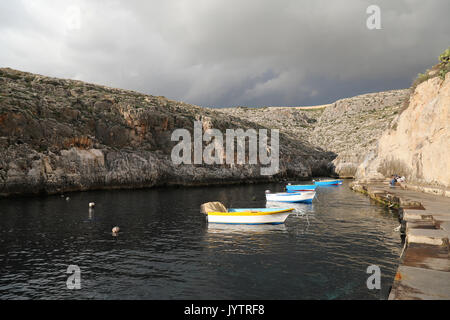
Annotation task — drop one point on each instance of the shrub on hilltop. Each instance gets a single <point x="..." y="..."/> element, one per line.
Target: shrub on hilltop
<point x="439" y="70"/>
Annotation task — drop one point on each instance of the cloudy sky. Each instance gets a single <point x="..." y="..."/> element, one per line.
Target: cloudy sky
<point x="227" y="52"/>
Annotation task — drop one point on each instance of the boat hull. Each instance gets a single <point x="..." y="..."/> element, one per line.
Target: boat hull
<point x="256" y="216"/>
<point x="292" y="197"/>
<point x="300" y="187"/>
<point x="328" y="183"/>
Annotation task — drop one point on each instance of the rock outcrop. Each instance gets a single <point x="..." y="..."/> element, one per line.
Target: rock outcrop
<point x="417" y="145"/>
<point x="63" y="135"/>
<point x="296" y="122"/>
<point x="349" y="128"/>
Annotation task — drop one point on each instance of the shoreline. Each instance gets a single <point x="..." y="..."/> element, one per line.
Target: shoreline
<point x="215" y="183"/>
<point x="424" y="266"/>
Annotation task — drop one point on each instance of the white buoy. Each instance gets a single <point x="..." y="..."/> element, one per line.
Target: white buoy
<point x="91" y="204"/>
<point x="115" y="229"/>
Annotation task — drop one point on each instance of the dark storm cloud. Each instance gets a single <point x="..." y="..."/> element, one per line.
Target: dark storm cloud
<point x="224" y="53"/>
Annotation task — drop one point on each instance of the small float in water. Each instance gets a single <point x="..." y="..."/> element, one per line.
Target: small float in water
<point x="216" y="212"/>
<point x="328" y="182"/>
<point x="300" y="187"/>
<point x="299" y="197"/>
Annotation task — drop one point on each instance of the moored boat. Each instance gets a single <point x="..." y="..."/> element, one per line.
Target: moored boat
<point x="328" y="182"/>
<point x="300" y="187"/>
<point x="305" y="196"/>
<point x="219" y="214"/>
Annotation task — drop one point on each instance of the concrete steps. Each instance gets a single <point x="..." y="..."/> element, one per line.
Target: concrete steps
<point x="427" y="236"/>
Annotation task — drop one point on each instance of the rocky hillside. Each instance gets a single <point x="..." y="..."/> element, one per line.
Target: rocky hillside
<point x="63" y="135"/>
<point x="417" y="145"/>
<point x="296" y="122"/>
<point x="350" y="128"/>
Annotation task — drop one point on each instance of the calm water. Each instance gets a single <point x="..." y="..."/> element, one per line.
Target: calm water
<point x="166" y="250"/>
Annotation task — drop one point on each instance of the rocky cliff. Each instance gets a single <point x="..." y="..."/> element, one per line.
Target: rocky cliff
<point x="349" y="128"/>
<point x="417" y="145"/>
<point x="63" y="135"/>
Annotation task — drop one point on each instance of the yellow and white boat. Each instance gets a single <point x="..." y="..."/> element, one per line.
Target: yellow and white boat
<point x="218" y="213"/>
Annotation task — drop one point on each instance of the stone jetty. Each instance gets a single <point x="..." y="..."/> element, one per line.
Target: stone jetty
<point x="424" y="269"/>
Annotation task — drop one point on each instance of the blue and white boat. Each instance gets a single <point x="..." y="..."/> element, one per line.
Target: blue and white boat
<point x="300" y="187"/>
<point x="293" y="197"/>
<point x="328" y="182"/>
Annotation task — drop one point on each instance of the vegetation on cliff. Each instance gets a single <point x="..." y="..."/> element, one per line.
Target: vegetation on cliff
<point x="438" y="70"/>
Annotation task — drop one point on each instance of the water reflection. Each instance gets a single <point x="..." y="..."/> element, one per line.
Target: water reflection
<point x="245" y="229"/>
<point x="300" y="224"/>
<point x="91" y="214"/>
<point x="299" y="208"/>
<point x="244" y="239"/>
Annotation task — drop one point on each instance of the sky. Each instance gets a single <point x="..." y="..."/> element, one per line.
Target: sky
<point x="220" y="53"/>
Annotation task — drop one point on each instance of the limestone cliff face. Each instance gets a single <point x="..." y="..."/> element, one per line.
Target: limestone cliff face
<point x="418" y="143"/>
<point x="349" y="128"/>
<point x="62" y="135"/>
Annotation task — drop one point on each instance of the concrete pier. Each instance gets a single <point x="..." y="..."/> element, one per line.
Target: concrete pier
<point x="424" y="270"/>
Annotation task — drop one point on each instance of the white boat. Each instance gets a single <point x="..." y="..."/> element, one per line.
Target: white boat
<point x="305" y="197"/>
<point x="219" y="214"/>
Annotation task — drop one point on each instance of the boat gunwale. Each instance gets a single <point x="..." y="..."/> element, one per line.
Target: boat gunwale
<point x="292" y="194"/>
<point x="301" y="185"/>
<point x="249" y="213"/>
